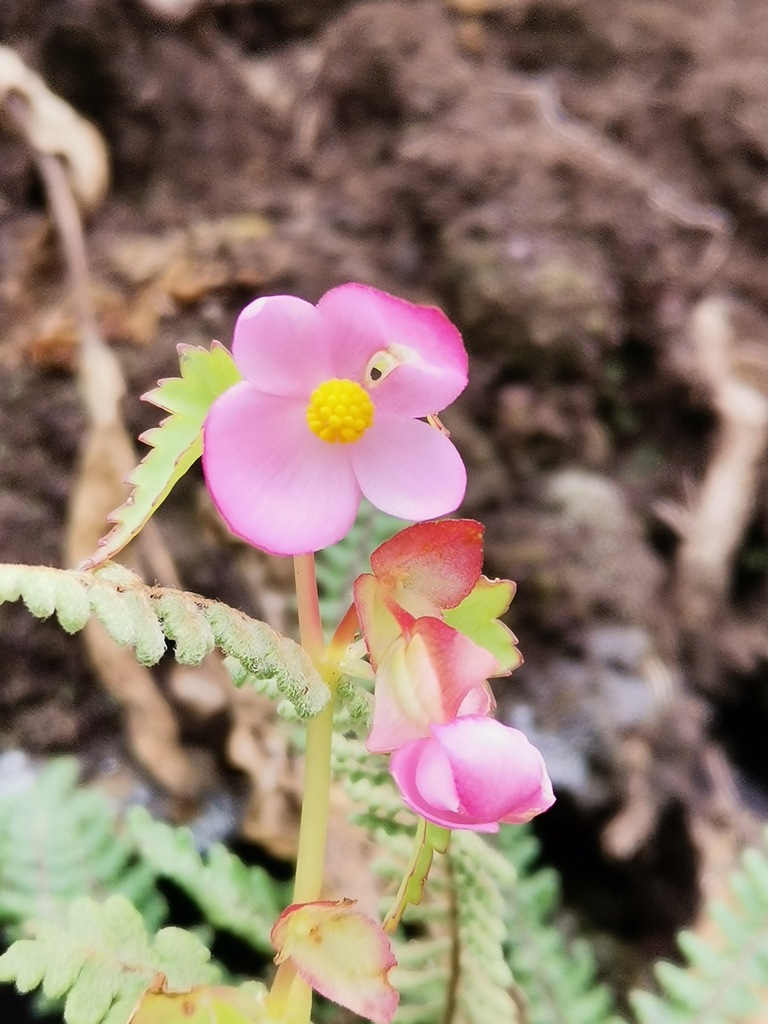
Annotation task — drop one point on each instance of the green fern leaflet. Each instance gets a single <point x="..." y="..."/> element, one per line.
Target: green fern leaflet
<point x="725" y="980"/>
<point x="102" y="960"/>
<point x="144" y="617"/>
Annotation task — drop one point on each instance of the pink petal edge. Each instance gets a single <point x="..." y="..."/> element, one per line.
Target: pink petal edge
<point x="408" y="469"/>
<point x="440" y="561"/>
<point x="281" y="345"/>
<point x="275" y="484"/>
<point x="364" y="321"/>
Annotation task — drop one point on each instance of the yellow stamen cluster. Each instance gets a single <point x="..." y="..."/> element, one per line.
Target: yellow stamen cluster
<point x="339" y="411"/>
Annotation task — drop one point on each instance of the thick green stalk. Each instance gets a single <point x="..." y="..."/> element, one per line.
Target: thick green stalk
<point x="310" y="862"/>
<point x="291" y="998"/>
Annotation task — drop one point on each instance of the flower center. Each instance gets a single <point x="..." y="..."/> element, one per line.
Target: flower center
<point x="339" y="411"/>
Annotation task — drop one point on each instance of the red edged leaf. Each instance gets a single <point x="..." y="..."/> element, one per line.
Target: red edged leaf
<point x="437" y="562"/>
<point x="341" y="953"/>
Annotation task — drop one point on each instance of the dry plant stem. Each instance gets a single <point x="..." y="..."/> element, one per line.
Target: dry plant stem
<point x="101" y="378"/>
<point x="726" y="499"/>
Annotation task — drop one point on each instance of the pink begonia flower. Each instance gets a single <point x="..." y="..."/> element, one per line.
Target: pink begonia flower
<point x="473" y="773"/>
<point x="431" y="673"/>
<point x="330" y="410"/>
<point x="434" y="569"/>
<point x="343" y="954"/>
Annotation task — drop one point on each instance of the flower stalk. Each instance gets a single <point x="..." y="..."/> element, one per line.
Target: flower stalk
<point x="317" y="783"/>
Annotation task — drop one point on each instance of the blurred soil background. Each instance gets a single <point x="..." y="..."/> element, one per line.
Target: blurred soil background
<point x="582" y="185"/>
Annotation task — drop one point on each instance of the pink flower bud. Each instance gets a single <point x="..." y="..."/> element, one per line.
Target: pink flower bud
<point x="473" y="773"/>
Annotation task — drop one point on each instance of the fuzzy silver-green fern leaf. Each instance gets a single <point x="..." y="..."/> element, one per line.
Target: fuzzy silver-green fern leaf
<point x="556" y="979"/>
<point x="145" y="617"/>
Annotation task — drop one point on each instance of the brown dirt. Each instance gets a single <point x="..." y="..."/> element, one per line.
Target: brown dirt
<point x="581" y="185"/>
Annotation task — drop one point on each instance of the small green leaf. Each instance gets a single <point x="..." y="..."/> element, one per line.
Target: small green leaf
<point x="429" y="839"/>
<point x="478" y="618"/>
<point x="175" y="445"/>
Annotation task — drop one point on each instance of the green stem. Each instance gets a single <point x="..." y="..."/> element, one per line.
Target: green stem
<point x="290" y="998"/>
<point x="415" y="866"/>
<point x="317" y="762"/>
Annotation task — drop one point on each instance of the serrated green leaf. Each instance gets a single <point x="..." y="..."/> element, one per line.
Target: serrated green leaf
<point x="92" y="993"/>
<point x="175" y="445"/>
<point x="108" y="958"/>
<point x="61" y="972"/>
<point x="755" y="866"/>
<point x="478" y="618"/>
<point x="183" y="959"/>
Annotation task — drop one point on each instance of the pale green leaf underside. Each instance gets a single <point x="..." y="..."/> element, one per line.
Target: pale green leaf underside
<point x="145" y="617"/>
<point x="175" y="445"/>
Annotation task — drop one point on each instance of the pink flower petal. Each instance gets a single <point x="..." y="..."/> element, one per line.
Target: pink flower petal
<point x="381" y="622"/>
<point x="423" y="678"/>
<point x="441" y="562"/>
<point x="408" y="469"/>
<point x="434" y="779"/>
<point x="404" y="766"/>
<point x="282" y="346"/>
<point x="479" y="701"/>
<point x="275" y="484"/>
<point x="495" y="772"/>
<point x="521" y="786"/>
<point x="431" y="368"/>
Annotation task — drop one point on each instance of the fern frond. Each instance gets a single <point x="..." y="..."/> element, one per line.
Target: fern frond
<point x="725" y="979"/>
<point x="236" y="898"/>
<point x="102" y="960"/>
<point x="142" y="616"/>
<point x="354" y="707"/>
<point x="557" y="979"/>
<point x="58" y="842"/>
<point x="175" y="445"/>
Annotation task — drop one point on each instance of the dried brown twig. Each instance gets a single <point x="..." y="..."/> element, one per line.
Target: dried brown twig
<point x="715" y="524"/>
